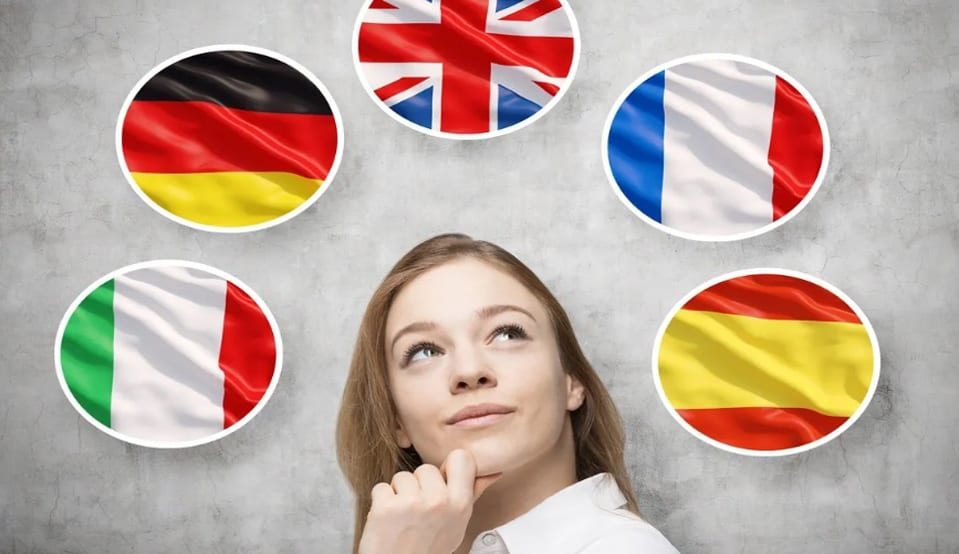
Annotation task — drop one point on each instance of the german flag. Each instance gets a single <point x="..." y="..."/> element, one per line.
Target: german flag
<point x="766" y="362"/>
<point x="229" y="138"/>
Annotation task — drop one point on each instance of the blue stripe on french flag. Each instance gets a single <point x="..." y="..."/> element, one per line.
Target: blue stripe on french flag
<point x="636" y="146"/>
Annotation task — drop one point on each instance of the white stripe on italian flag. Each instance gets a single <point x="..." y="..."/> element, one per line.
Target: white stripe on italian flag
<point x="168" y="354"/>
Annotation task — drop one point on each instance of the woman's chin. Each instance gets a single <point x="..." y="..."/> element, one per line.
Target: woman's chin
<point x="492" y="457"/>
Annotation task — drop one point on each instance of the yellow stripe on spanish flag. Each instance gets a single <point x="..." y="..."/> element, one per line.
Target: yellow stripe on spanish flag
<point x="716" y="360"/>
<point x="227" y="198"/>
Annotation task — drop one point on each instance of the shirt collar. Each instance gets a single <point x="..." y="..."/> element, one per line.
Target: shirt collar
<point x="542" y="528"/>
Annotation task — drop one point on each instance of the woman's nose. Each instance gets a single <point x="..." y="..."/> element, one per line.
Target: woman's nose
<point x="471" y="370"/>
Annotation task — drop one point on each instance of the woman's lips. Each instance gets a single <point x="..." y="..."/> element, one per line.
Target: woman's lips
<point x="481" y="421"/>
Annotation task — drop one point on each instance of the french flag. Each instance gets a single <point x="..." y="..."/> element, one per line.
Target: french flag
<point x="715" y="147"/>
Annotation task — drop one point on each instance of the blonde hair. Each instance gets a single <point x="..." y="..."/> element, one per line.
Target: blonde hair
<point x="366" y="446"/>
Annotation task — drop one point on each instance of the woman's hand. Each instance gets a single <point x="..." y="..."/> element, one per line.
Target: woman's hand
<point x="424" y="512"/>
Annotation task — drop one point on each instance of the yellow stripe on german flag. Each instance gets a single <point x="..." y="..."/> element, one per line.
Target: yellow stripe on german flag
<point x="227" y="198"/>
<point x="229" y="138"/>
<point x="766" y="362"/>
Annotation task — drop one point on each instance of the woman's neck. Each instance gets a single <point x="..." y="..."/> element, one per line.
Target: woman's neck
<point x="519" y="490"/>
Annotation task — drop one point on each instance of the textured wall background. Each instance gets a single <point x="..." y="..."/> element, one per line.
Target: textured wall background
<point x="884" y="228"/>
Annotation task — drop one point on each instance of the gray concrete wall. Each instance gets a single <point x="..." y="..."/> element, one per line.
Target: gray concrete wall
<point x="884" y="228"/>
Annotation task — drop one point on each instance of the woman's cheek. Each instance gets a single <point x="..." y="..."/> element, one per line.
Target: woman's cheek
<point x="530" y="365"/>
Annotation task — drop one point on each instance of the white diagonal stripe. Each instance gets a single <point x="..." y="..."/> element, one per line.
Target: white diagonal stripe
<point x="553" y="24"/>
<point x="407" y="11"/>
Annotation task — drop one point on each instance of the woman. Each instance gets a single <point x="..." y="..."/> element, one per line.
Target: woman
<point x="471" y="421"/>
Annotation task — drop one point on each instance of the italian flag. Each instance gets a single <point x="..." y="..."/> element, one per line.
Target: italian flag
<point x="168" y="354"/>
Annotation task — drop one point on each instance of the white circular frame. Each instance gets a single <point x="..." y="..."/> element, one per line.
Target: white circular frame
<point x="823" y="166"/>
<point x="767" y="453"/>
<point x="327" y="182"/>
<point x="277" y="367"/>
<point x="574" y="64"/>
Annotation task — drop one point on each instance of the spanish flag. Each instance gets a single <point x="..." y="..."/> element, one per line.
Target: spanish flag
<point x="766" y="362"/>
<point x="229" y="138"/>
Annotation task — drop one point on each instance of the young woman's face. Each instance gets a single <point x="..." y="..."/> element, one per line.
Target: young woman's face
<point x="466" y="333"/>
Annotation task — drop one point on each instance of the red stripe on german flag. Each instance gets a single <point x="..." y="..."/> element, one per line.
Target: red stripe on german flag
<point x="766" y="362"/>
<point x="196" y="137"/>
<point x="229" y="138"/>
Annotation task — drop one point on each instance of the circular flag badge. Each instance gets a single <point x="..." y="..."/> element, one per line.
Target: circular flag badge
<point x="168" y="354"/>
<point x="466" y="69"/>
<point x="766" y="362"/>
<point x="229" y="138"/>
<point x="715" y="147"/>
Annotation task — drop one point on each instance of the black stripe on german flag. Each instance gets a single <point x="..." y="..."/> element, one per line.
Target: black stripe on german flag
<point x="235" y="79"/>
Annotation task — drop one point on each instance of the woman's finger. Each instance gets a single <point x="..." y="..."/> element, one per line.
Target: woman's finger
<point x="460" y="473"/>
<point x="405" y="484"/>
<point x="381" y="492"/>
<point x="431" y="481"/>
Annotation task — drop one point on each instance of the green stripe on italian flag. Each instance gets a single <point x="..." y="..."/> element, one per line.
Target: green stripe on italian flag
<point x="168" y="354"/>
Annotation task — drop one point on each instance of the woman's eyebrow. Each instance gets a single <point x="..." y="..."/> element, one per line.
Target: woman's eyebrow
<point x="412" y="328"/>
<point x="490" y="311"/>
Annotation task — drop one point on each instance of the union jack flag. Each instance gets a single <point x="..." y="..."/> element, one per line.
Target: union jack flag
<point x="465" y="66"/>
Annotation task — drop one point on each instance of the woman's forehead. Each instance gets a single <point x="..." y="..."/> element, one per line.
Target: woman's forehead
<point x="456" y="291"/>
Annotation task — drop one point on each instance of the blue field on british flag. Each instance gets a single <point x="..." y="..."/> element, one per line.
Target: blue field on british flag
<point x="466" y="67"/>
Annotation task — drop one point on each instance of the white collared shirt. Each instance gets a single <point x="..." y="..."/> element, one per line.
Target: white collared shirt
<point x="587" y="517"/>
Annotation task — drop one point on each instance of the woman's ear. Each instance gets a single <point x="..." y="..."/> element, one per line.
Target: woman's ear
<point x="402" y="438"/>
<point x="575" y="393"/>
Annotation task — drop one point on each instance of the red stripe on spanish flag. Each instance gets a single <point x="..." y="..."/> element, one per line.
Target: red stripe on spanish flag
<point x="772" y="296"/>
<point x="766" y="362"/>
<point x="762" y="428"/>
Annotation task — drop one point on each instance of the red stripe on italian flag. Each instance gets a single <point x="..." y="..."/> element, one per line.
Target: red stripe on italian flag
<point x="168" y="354"/>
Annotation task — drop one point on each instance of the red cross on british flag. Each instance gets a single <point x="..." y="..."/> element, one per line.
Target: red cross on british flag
<point x="466" y="67"/>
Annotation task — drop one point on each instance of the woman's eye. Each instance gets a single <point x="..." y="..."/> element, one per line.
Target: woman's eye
<point x="421" y="352"/>
<point x="425" y="352"/>
<point x="509" y="332"/>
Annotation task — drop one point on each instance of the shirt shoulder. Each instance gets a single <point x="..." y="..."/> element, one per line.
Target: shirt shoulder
<point x="587" y="517"/>
<point x="631" y="536"/>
